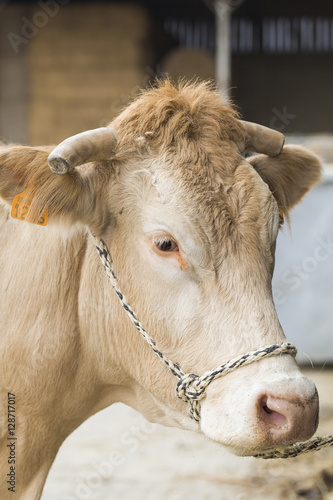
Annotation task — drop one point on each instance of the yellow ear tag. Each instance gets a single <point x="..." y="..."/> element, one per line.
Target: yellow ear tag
<point x="20" y="209"/>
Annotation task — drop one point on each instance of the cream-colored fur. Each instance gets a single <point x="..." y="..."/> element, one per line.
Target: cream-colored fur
<point x="67" y="348"/>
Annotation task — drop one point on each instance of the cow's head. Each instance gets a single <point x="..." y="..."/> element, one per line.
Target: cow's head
<point x="192" y="226"/>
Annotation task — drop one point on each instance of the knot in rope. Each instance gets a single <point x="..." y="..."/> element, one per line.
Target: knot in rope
<point x="190" y="387"/>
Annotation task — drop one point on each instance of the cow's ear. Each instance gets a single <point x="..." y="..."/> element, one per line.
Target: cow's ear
<point x="73" y="197"/>
<point x="289" y="175"/>
<point x="68" y="198"/>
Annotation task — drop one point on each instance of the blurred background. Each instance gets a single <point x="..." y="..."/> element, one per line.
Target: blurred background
<point x="67" y="66"/>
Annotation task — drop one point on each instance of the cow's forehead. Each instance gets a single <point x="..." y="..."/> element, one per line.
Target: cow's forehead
<point x="220" y="195"/>
<point x="223" y="185"/>
<point x="189" y="135"/>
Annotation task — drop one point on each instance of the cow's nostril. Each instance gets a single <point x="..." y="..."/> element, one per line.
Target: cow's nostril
<point x="266" y="409"/>
<point x="272" y="415"/>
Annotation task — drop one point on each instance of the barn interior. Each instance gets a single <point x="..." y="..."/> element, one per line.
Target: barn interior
<point x="67" y="66"/>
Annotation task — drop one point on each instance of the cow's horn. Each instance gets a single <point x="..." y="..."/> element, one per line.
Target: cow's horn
<point x="97" y="144"/>
<point x="262" y="139"/>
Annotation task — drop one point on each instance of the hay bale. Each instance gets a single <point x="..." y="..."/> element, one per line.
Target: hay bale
<point x="83" y="65"/>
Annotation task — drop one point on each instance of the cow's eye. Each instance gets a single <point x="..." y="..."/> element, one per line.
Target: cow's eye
<point x="281" y="217"/>
<point x="166" y="245"/>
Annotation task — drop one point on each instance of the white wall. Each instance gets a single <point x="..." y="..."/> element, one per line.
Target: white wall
<point x="303" y="279"/>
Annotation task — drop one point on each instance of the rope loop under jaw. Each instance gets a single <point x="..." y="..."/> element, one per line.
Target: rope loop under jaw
<point x="294" y="450"/>
<point x="191" y="387"/>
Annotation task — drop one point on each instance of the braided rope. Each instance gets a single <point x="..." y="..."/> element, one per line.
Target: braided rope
<point x="294" y="450"/>
<point x="191" y="387"/>
<point x="105" y="257"/>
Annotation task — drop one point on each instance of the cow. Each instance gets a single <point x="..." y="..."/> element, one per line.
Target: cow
<point x="191" y="221"/>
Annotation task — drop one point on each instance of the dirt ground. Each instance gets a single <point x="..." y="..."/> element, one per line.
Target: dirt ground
<point x="117" y="455"/>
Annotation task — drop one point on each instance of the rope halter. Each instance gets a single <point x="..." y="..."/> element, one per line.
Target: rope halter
<point x="191" y="387"/>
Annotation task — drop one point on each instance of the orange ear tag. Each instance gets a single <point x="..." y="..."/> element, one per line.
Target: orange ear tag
<point x="20" y="209"/>
<point x="281" y="216"/>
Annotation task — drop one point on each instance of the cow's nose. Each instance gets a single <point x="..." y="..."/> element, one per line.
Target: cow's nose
<point x="286" y="421"/>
